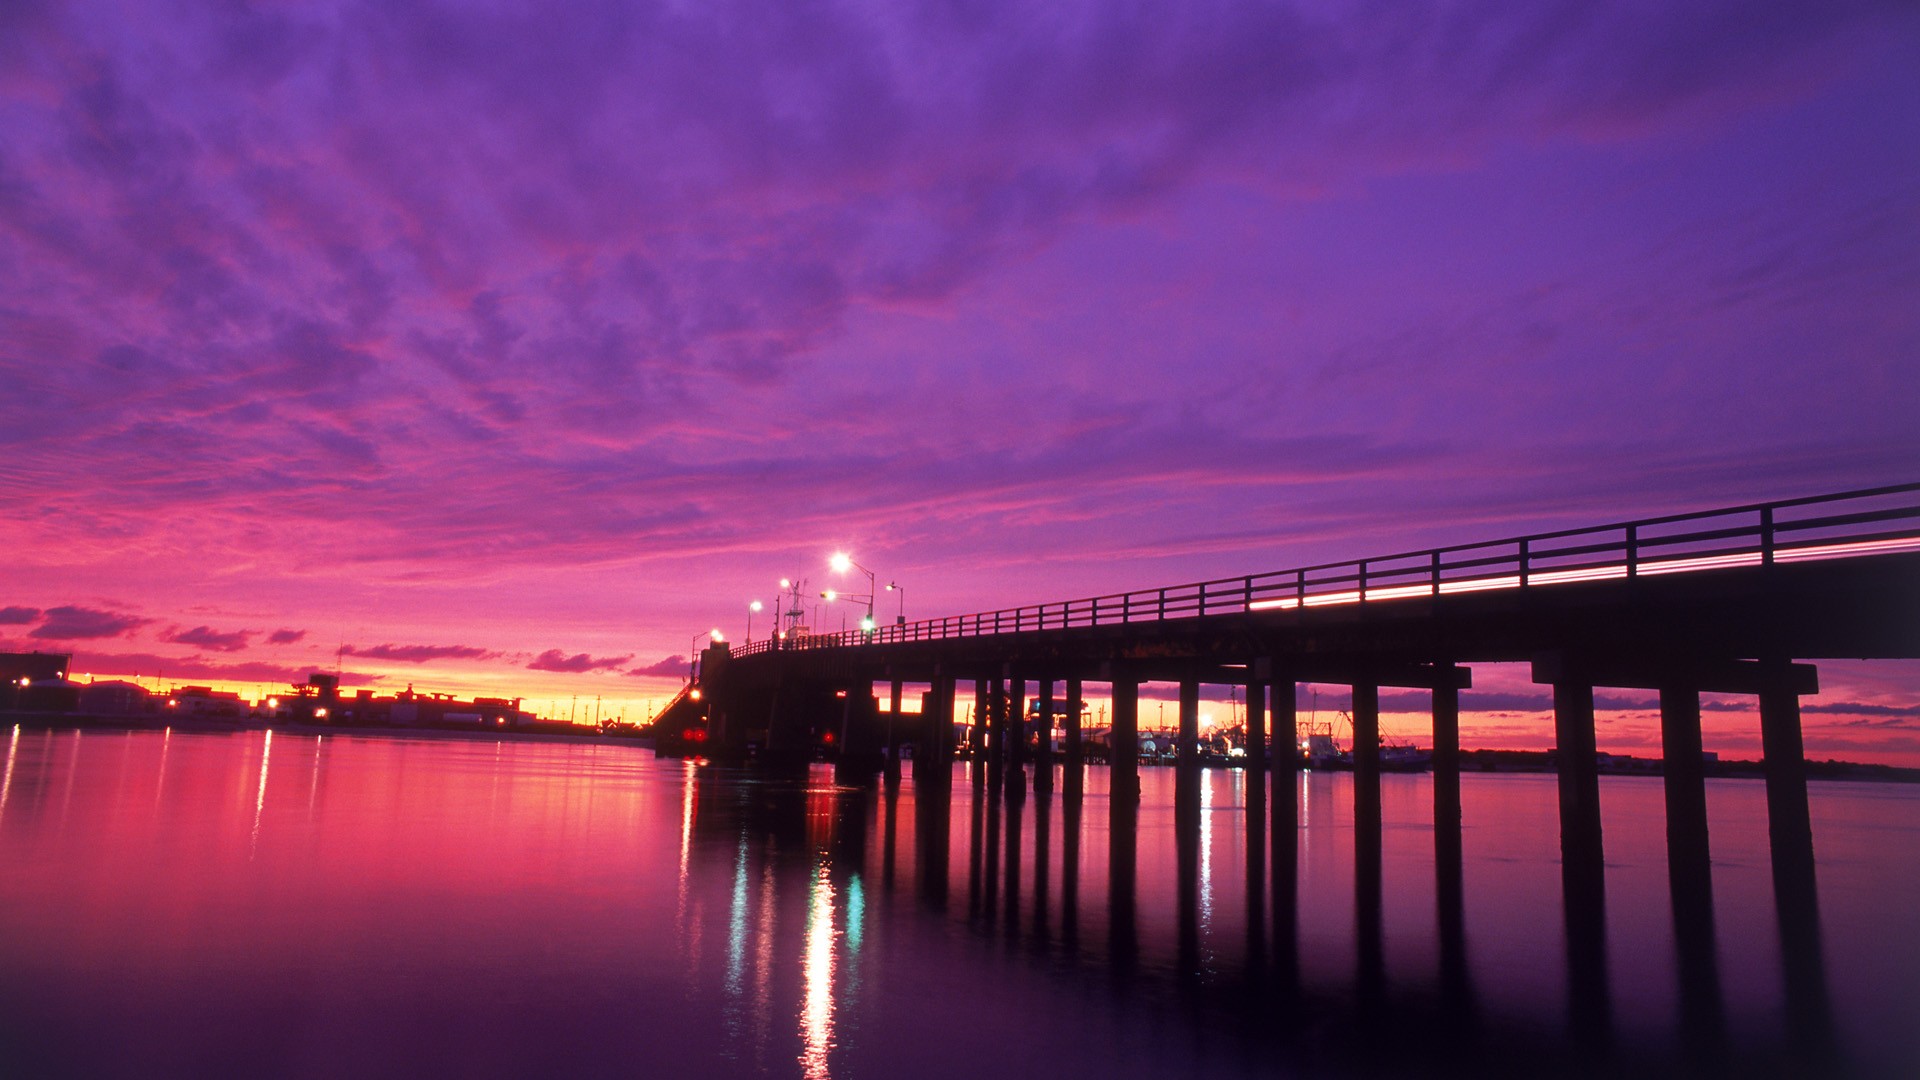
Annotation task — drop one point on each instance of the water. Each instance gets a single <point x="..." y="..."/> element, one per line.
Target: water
<point x="279" y="905"/>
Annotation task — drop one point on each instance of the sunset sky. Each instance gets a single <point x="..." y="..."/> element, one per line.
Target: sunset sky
<point x="504" y="348"/>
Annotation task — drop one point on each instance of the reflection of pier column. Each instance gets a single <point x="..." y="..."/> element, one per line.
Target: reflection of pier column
<point x="1042" y="872"/>
<point x="1366" y="840"/>
<point x="933" y="822"/>
<point x="1790" y="830"/>
<point x="1124" y="804"/>
<point x="1016" y="802"/>
<point x="1186" y="826"/>
<point x="1582" y="865"/>
<point x="1689" y="870"/>
<point x="990" y="858"/>
<point x="1070" y="806"/>
<point x="1043" y="752"/>
<point x="1256" y="789"/>
<point x="1285" y="806"/>
<point x="976" y="845"/>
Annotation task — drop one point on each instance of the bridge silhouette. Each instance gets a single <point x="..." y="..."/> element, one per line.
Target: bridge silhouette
<point x="1736" y="600"/>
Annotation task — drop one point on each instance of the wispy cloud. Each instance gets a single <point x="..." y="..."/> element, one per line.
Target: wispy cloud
<point x="419" y="654"/>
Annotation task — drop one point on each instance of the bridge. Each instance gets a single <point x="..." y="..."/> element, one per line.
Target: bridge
<point x="1739" y="600"/>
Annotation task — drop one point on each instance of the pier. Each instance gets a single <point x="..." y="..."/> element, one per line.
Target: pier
<point x="1744" y="600"/>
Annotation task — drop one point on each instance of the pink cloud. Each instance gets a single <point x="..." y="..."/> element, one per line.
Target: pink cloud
<point x="71" y="623"/>
<point x="555" y="660"/>
<point x="209" y="638"/>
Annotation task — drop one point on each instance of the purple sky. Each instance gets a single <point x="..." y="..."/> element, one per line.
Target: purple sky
<point x="510" y="347"/>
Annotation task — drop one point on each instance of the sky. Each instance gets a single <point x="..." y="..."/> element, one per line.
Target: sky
<point x="505" y="349"/>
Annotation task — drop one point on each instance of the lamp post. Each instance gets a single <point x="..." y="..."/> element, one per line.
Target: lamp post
<point x="841" y="563"/>
<point x="752" y="606"/>
<point x="693" y="650"/>
<point x="894" y="586"/>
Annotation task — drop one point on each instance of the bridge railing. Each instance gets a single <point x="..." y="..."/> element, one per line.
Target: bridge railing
<point x="1845" y="525"/>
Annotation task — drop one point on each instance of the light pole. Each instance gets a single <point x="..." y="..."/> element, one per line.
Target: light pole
<point x="841" y="563"/>
<point x="693" y="650"/>
<point x="894" y="586"/>
<point x="752" y="606"/>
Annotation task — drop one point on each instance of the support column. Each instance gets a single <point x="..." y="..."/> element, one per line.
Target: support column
<point x="1124" y="772"/>
<point x="1075" y="750"/>
<point x="1796" y="899"/>
<point x="1582" y="864"/>
<point x="1043" y="752"/>
<point x="1255" y="774"/>
<point x="977" y="731"/>
<point x="1689" y="870"/>
<point x="1187" y="742"/>
<point x="1366" y="842"/>
<point x="1449" y="877"/>
<point x="1124" y="805"/>
<point x="1285" y="832"/>
<point x="1017" y="733"/>
<point x="892" y="763"/>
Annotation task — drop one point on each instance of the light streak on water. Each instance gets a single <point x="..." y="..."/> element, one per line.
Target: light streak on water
<point x="816" y="1010"/>
<point x="6" y="786"/>
<point x="260" y="800"/>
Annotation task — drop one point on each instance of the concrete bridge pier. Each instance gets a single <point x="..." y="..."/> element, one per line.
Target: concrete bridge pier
<point x="1790" y="833"/>
<point x="1690" y="871"/>
<point x="1043" y="752"/>
<point x="1072" y="737"/>
<point x="1449" y="876"/>
<point x="1285" y="831"/>
<point x="1366" y="841"/>
<point x="1124" y="811"/>
<point x="1255" y="777"/>
<point x="891" y="764"/>
<point x="1582" y="864"/>
<point x="1015" y="728"/>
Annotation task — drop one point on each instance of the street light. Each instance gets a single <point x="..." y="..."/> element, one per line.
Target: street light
<point x="894" y="586"/>
<point x="693" y="650"/>
<point x="752" y="606"/>
<point x="841" y="563"/>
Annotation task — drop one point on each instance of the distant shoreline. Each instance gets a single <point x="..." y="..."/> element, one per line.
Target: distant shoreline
<point x="1471" y="761"/>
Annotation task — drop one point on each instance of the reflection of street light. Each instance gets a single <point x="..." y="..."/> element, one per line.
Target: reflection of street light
<point x="894" y="586"/>
<point x="752" y="606"/>
<point x="841" y="563"/>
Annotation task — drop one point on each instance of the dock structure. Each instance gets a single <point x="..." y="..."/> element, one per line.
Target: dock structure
<point x="1740" y="600"/>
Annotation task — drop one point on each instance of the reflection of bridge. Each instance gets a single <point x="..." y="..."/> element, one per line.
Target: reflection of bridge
<point x="1727" y="601"/>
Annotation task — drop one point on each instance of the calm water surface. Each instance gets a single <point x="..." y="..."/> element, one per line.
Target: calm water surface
<point x="282" y="905"/>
